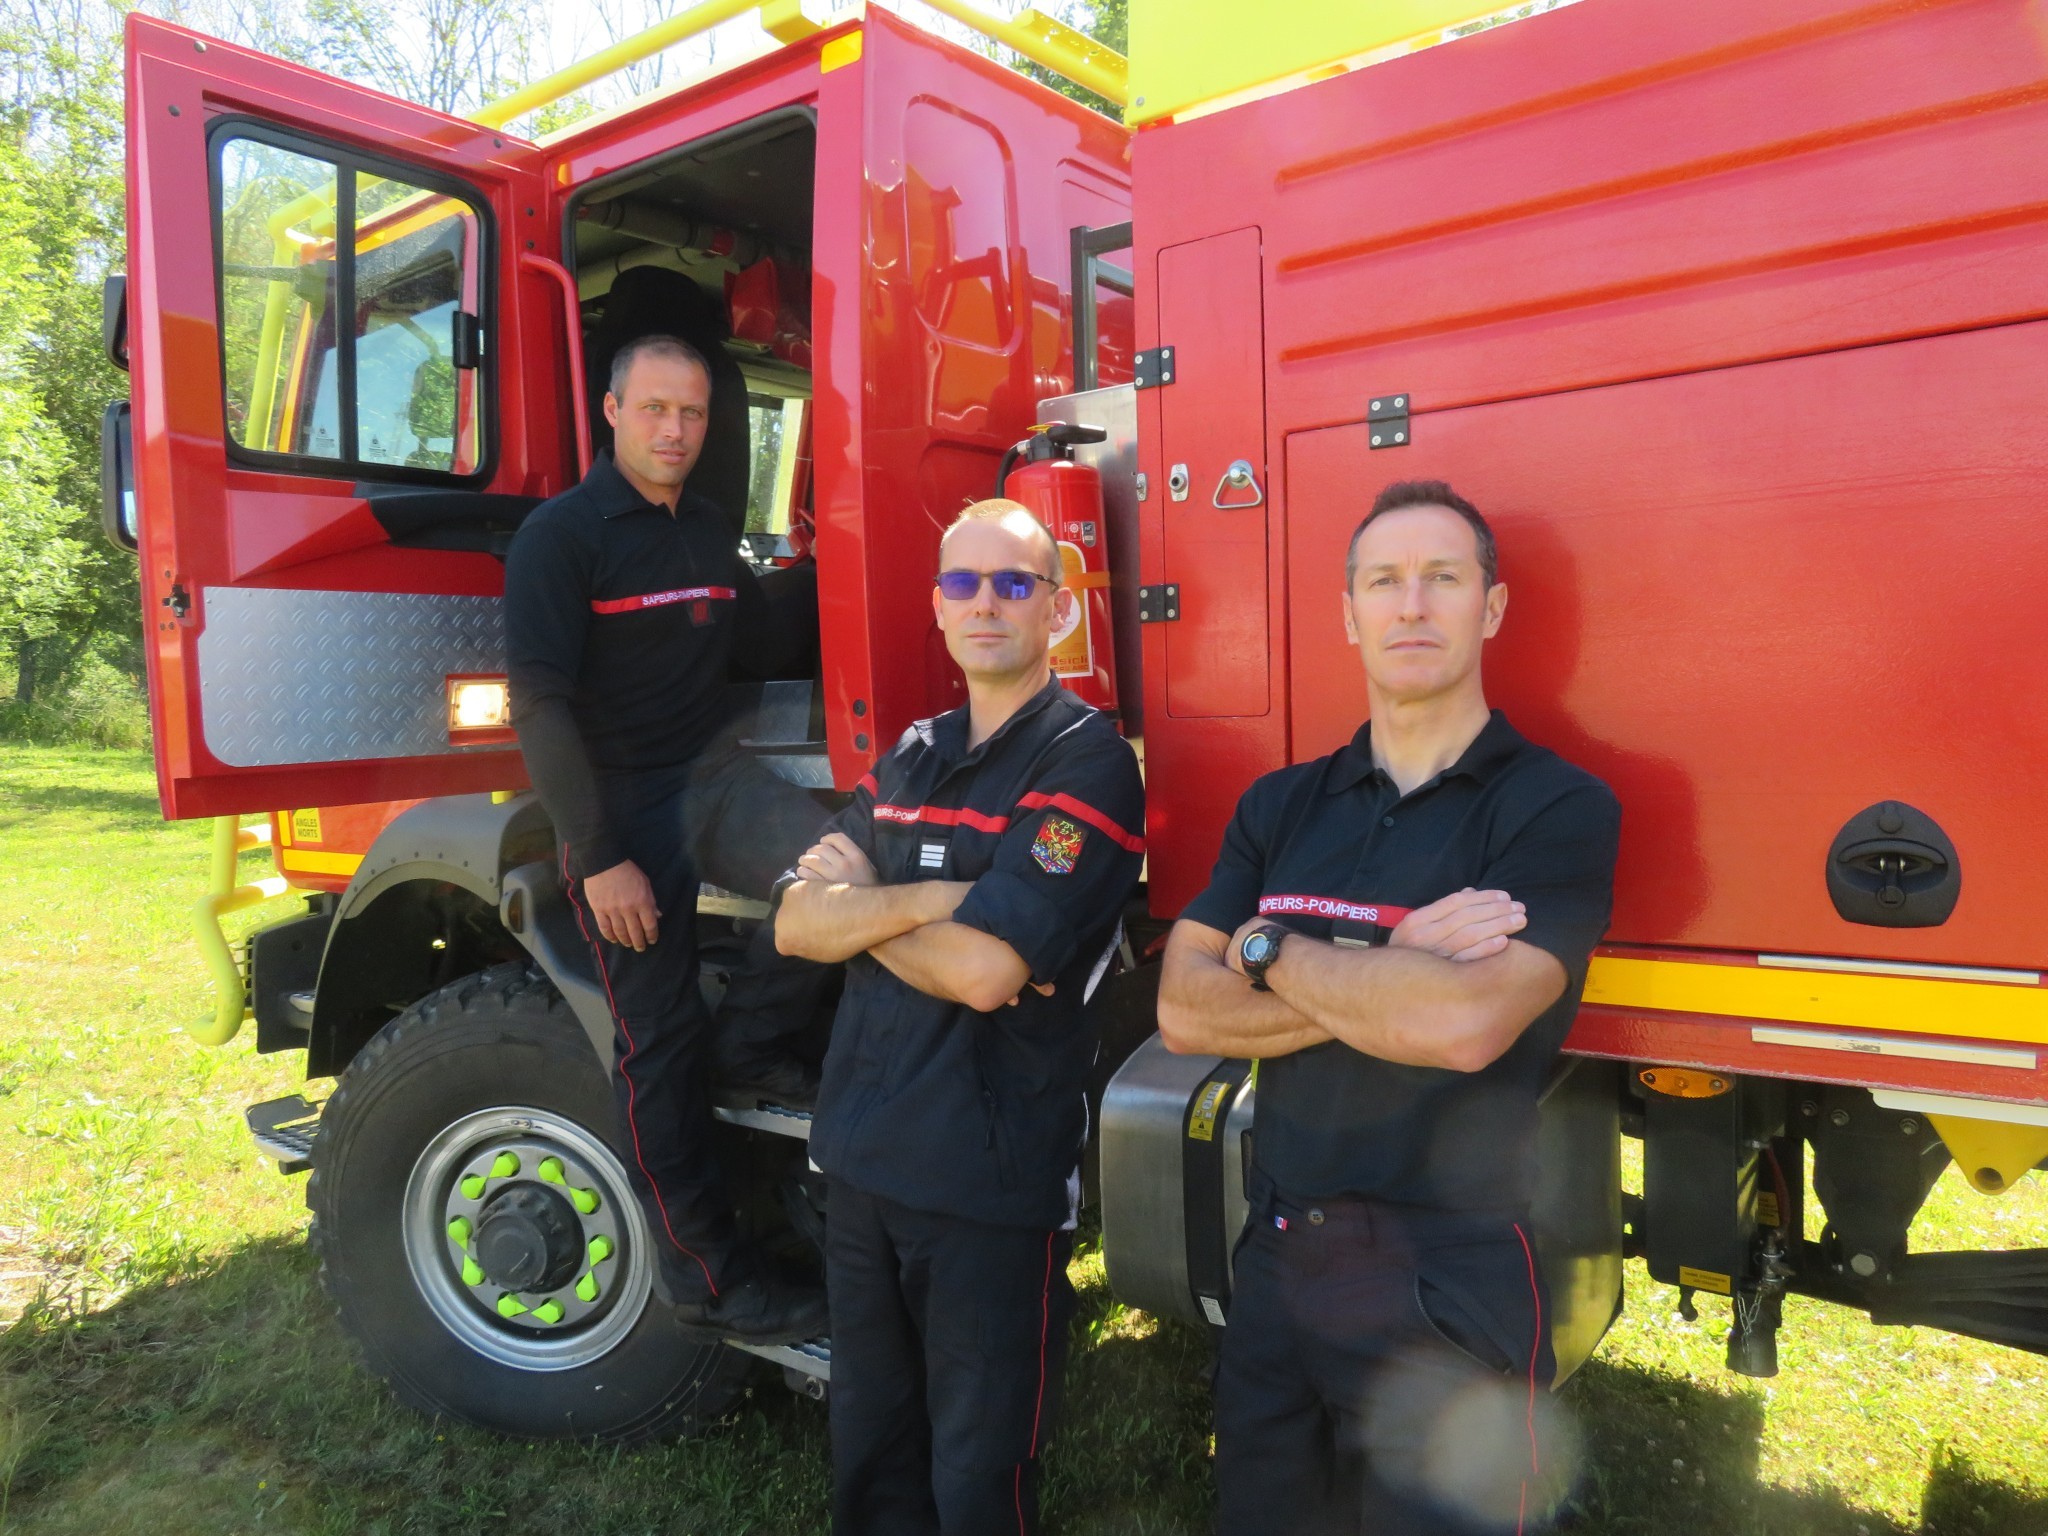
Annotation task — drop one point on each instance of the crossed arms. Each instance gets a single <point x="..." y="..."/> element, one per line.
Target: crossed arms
<point x="837" y="908"/>
<point x="1451" y="988"/>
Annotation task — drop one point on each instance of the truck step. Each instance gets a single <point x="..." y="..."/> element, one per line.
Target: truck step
<point x="806" y="1366"/>
<point x="285" y="1129"/>
<point x="761" y="1115"/>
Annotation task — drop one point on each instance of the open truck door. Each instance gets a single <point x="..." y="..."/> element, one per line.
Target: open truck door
<point x="352" y="378"/>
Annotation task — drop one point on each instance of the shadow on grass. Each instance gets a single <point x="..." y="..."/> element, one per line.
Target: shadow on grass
<point x="227" y="1398"/>
<point x="24" y="799"/>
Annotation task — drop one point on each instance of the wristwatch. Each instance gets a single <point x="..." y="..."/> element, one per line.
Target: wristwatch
<point x="1257" y="951"/>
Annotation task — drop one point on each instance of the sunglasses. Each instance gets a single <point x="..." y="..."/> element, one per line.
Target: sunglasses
<point x="1010" y="586"/>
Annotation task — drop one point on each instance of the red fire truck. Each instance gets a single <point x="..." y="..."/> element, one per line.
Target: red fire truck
<point x="1726" y="314"/>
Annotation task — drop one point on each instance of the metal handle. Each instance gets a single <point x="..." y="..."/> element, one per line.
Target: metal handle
<point x="1238" y="477"/>
<point x="572" y="308"/>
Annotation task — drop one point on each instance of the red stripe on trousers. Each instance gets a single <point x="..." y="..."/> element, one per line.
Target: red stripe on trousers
<point x="1535" y="1350"/>
<point x="632" y="1120"/>
<point x="1038" y="1410"/>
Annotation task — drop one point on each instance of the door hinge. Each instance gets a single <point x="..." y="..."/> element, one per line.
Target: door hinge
<point x="1387" y="417"/>
<point x="179" y="602"/>
<point x="1151" y="369"/>
<point x="1158" y="605"/>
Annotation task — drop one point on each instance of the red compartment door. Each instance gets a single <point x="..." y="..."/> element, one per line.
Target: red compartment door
<point x="1213" y="415"/>
<point x="1755" y="601"/>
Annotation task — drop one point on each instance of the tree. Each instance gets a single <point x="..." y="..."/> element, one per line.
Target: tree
<point x="60" y="232"/>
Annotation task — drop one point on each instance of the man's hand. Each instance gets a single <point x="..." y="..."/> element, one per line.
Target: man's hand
<point x="837" y="860"/>
<point x="623" y="903"/>
<point x="1465" y="925"/>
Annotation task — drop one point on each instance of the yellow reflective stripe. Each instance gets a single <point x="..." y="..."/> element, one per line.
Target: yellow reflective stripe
<point x="1910" y="1004"/>
<point x="306" y="862"/>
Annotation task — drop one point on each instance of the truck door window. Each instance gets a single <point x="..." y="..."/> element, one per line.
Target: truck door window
<point x="350" y="298"/>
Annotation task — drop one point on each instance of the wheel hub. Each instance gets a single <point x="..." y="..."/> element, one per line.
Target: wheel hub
<point x="528" y="1239"/>
<point x="524" y="1239"/>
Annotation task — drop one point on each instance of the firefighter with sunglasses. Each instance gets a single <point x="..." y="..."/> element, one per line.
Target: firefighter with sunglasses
<point x="975" y="888"/>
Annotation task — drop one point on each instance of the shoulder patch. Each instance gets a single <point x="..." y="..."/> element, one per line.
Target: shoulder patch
<point x="1057" y="846"/>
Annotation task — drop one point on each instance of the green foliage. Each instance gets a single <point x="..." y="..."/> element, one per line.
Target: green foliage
<point x="1109" y="23"/>
<point x="65" y="594"/>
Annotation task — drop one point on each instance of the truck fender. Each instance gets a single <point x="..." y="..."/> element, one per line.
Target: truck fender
<point x="437" y="870"/>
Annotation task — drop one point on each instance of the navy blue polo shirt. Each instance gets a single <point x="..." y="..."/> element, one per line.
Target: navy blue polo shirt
<point x="929" y="1103"/>
<point x="1332" y="849"/>
<point x="620" y="621"/>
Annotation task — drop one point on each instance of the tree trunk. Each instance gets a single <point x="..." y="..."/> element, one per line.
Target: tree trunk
<point x="25" y="675"/>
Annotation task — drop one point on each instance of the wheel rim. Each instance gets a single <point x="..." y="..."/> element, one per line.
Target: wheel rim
<point x="538" y="1158"/>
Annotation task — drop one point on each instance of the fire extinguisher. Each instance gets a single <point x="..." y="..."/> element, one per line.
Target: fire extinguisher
<point x="1067" y="498"/>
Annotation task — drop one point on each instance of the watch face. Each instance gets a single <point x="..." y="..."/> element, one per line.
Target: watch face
<point x="1258" y="949"/>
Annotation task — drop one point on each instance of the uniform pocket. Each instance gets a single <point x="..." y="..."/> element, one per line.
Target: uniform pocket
<point x="1489" y="1322"/>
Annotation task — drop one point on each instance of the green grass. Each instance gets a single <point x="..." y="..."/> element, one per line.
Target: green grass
<point x="171" y="1366"/>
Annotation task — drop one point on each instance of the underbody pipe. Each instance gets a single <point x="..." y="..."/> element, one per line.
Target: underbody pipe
<point x="223" y="895"/>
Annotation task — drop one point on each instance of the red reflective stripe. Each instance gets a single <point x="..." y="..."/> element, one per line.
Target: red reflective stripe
<point x="1038" y="1411"/>
<point x="1377" y="913"/>
<point x="632" y="1098"/>
<point x="941" y="816"/>
<point x="1087" y="813"/>
<point x="1535" y="1350"/>
<point x="660" y="599"/>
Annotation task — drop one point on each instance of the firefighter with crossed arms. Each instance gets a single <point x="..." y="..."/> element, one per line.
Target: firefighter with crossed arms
<point x="974" y="887"/>
<point x="1398" y="933"/>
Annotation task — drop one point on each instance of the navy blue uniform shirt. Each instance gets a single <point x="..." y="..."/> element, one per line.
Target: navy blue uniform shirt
<point x="620" y="621"/>
<point x="929" y="1103"/>
<point x="1332" y="849"/>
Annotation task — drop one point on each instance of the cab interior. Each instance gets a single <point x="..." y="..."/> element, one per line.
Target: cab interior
<point x="713" y="243"/>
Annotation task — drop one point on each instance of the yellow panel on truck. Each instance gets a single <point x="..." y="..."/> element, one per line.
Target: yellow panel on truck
<point x="1190" y="53"/>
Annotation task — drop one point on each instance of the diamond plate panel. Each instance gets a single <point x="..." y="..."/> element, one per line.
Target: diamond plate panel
<point x="324" y="677"/>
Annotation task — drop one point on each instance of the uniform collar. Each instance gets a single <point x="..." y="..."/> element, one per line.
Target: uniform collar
<point x="947" y="733"/>
<point x="611" y="493"/>
<point x="1496" y="742"/>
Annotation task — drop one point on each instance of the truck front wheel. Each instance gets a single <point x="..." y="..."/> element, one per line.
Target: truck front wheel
<point x="477" y="1233"/>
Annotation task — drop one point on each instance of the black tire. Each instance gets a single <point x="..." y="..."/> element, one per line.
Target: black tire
<point x="450" y="1072"/>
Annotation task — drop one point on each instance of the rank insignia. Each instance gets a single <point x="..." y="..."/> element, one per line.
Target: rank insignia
<point x="1058" y="845"/>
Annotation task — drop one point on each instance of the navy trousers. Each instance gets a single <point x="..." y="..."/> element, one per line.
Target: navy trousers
<point x="661" y="1057"/>
<point x="1382" y="1372"/>
<point x="948" y="1340"/>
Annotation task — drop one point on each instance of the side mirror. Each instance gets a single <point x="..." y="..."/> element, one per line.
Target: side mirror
<point x="114" y="319"/>
<point x="117" y="478"/>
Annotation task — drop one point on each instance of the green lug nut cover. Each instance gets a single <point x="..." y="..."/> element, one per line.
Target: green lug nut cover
<point x="505" y="1166"/>
<point x="511" y="1306"/>
<point x="586" y="1288"/>
<point x="473" y="1187"/>
<point x="472" y="1274"/>
<point x="551" y="1171"/>
<point x="458" y="1231"/>
<point x="549" y="1311"/>
<point x="600" y="1249"/>
<point x="585" y="1200"/>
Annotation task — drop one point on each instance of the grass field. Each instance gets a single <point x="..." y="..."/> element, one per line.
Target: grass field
<point x="169" y="1365"/>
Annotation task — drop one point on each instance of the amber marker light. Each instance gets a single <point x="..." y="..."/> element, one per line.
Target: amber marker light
<point x="1684" y="1082"/>
<point x="479" y="710"/>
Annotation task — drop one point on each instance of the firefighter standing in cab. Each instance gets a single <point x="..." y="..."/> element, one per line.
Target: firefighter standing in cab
<point x="625" y="600"/>
<point x="975" y="888"/>
<point x="1398" y="933"/>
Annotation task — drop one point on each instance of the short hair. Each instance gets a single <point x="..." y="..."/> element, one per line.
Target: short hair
<point x="1403" y="494"/>
<point x="657" y="345"/>
<point x="995" y="510"/>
